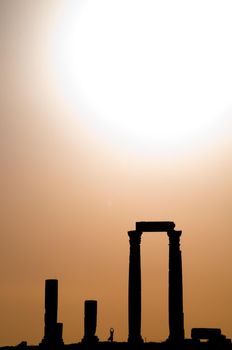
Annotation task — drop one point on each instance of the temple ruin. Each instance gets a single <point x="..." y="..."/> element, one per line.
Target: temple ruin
<point x="175" y="291"/>
<point x="201" y="338"/>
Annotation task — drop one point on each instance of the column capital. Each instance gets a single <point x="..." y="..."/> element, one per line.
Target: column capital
<point x="174" y="238"/>
<point x="173" y="234"/>
<point x="135" y="237"/>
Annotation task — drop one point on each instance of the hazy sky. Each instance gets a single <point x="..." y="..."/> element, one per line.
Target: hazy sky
<point x="114" y="112"/>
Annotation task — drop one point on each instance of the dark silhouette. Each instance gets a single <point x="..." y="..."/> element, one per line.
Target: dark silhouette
<point x="201" y="338"/>
<point x="175" y="289"/>
<point x="90" y="322"/>
<point x="154" y="226"/>
<point x="111" y="337"/>
<point x="134" y="291"/>
<point x="176" y="315"/>
<point x="212" y="335"/>
<point x="52" y="330"/>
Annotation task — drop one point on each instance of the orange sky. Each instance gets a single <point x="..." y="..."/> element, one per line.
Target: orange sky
<point x="69" y="196"/>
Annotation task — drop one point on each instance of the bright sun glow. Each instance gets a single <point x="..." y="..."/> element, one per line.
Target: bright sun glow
<point x="151" y="73"/>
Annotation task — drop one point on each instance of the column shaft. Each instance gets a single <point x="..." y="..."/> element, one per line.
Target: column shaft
<point x="134" y="292"/>
<point x="90" y="322"/>
<point x="52" y="329"/>
<point x="51" y="305"/>
<point x="176" y="315"/>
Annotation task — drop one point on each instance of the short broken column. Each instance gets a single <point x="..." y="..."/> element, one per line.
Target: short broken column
<point x="175" y="295"/>
<point x="52" y="329"/>
<point x="134" y="290"/>
<point x="90" y="322"/>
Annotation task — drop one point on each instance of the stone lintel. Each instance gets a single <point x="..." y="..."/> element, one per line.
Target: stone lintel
<point x="155" y="226"/>
<point x="134" y="233"/>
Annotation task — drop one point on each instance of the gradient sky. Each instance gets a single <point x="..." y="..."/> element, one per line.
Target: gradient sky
<point x="79" y="165"/>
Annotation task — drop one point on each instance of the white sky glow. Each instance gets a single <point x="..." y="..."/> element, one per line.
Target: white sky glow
<point x="151" y="73"/>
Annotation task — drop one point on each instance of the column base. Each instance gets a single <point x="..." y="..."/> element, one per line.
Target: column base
<point x="90" y="340"/>
<point x="51" y="343"/>
<point x="175" y="340"/>
<point x="135" y="340"/>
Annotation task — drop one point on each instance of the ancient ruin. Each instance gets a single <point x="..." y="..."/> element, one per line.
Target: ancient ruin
<point x="52" y="329"/>
<point x="201" y="338"/>
<point x="176" y="315"/>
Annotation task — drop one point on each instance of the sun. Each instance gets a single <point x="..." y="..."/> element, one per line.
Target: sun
<point x="150" y="74"/>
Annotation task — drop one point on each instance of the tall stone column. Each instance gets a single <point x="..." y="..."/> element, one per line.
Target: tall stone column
<point x="176" y="315"/>
<point x="134" y="292"/>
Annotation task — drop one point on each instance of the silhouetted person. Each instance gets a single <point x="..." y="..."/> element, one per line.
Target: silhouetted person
<point x="111" y="337"/>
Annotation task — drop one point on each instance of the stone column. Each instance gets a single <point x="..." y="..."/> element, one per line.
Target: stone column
<point x="134" y="292"/>
<point x="59" y="334"/>
<point x="176" y="315"/>
<point x="52" y="329"/>
<point x="50" y="316"/>
<point x="90" y="322"/>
